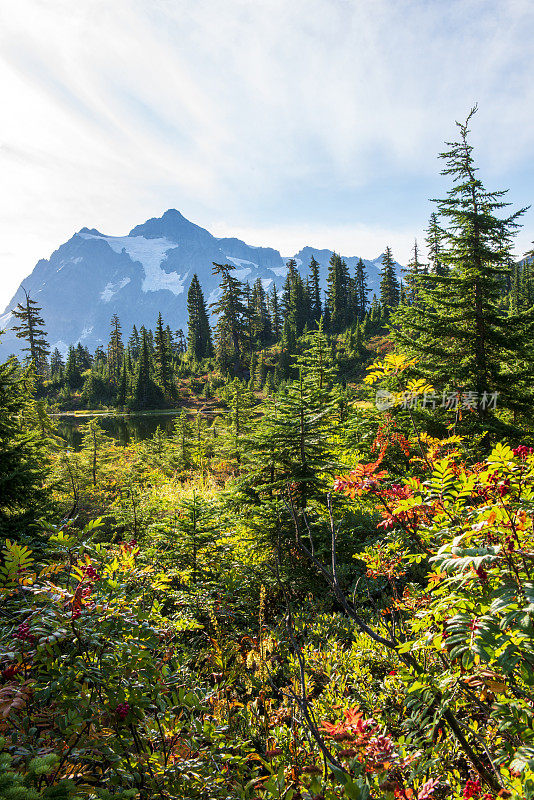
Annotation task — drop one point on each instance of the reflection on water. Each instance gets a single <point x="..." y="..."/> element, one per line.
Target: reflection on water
<point x="124" y="429"/>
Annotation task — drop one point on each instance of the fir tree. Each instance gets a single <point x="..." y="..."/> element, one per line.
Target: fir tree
<point x="316" y="306"/>
<point x="145" y="391"/>
<point x="231" y="311"/>
<point x="274" y="310"/>
<point x="389" y="284"/>
<point x="413" y="272"/>
<point x="163" y="357"/>
<point x="57" y="364"/>
<point x="360" y="288"/>
<point x="115" y="351"/>
<point x="31" y="329"/>
<point x="73" y="375"/>
<point x="464" y="343"/>
<point x="434" y="244"/>
<point x="338" y="293"/>
<point x="23" y="457"/>
<point x="134" y="343"/>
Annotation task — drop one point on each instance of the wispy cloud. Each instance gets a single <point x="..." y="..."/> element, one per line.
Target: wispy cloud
<point x="316" y="118"/>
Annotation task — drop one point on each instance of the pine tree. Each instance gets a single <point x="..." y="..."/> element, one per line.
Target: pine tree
<point x="122" y="389"/>
<point x="289" y="452"/>
<point x="389" y="284"/>
<point x="231" y="311"/>
<point x="315" y="290"/>
<point x="145" y="391"/>
<point x="274" y="310"/>
<point x="240" y="401"/>
<point x="95" y="444"/>
<point x="360" y="288"/>
<point x="338" y="293"/>
<point x="73" y="375"/>
<point x="115" y="351"/>
<point x="84" y="357"/>
<point x="289" y="282"/>
<point x="31" y="329"/>
<point x="434" y="244"/>
<point x="134" y="343"/>
<point x="413" y="272"/>
<point x="24" y="463"/>
<point x="261" y="322"/>
<point x="181" y="441"/>
<point x="57" y="365"/>
<point x="464" y="343"/>
<point x="163" y="357"/>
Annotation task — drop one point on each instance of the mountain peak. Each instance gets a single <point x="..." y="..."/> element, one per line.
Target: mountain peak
<point x="171" y="225"/>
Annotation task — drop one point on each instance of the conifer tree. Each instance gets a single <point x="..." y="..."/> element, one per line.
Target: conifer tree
<point x="57" y="365"/>
<point x="464" y="343"/>
<point x="181" y="440"/>
<point x="338" y="293"/>
<point x="23" y="457"/>
<point x="122" y="388"/>
<point x="389" y="284"/>
<point x="115" y="351"/>
<point x="316" y="306"/>
<point x="145" y="391"/>
<point x="274" y="310"/>
<point x="434" y="244"/>
<point x="413" y="272"/>
<point x="134" y="343"/>
<point x="73" y="376"/>
<point x="231" y="311"/>
<point x="360" y="288"/>
<point x="289" y="282"/>
<point x="261" y="322"/>
<point x="31" y="329"/>
<point x="162" y="357"/>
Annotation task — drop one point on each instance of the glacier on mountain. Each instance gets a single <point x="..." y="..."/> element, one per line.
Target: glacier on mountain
<point x="150" y="253"/>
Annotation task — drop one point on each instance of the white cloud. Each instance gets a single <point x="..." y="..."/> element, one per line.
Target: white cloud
<point x="259" y="111"/>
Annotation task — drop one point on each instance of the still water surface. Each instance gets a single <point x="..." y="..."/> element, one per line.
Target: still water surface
<point x="124" y="429"/>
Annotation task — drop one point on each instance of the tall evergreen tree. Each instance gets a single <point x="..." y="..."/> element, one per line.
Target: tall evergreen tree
<point x="434" y="244"/>
<point x="274" y="310"/>
<point x="261" y="322"/>
<point x="134" y="343"/>
<point x="73" y="375"/>
<point x="338" y="293"/>
<point x="231" y="311"/>
<point x="463" y="341"/>
<point x="57" y="365"/>
<point x="23" y="457"/>
<point x="162" y="357"/>
<point x="361" y="288"/>
<point x="389" y="284"/>
<point x="115" y="351"/>
<point x="145" y="391"/>
<point x="315" y="290"/>
<point x="31" y="329"/>
<point x="413" y="273"/>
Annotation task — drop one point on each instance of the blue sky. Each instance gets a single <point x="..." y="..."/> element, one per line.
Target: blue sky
<point x="315" y="122"/>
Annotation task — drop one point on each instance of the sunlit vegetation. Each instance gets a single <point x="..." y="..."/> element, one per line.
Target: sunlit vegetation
<point x="304" y="594"/>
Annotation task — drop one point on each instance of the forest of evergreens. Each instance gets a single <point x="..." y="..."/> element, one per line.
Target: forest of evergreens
<point x="321" y="584"/>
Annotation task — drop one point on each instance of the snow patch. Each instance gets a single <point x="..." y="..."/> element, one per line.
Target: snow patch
<point x="281" y="272"/>
<point x="4" y="319"/>
<point x="241" y="274"/>
<point x="266" y="282"/>
<point x="150" y="253"/>
<point x="111" y="289"/>
<point x="238" y="262"/>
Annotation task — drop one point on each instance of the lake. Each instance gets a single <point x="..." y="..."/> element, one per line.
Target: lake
<point x="123" y="428"/>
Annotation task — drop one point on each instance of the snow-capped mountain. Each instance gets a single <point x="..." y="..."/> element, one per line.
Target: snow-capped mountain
<point x="93" y="276"/>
